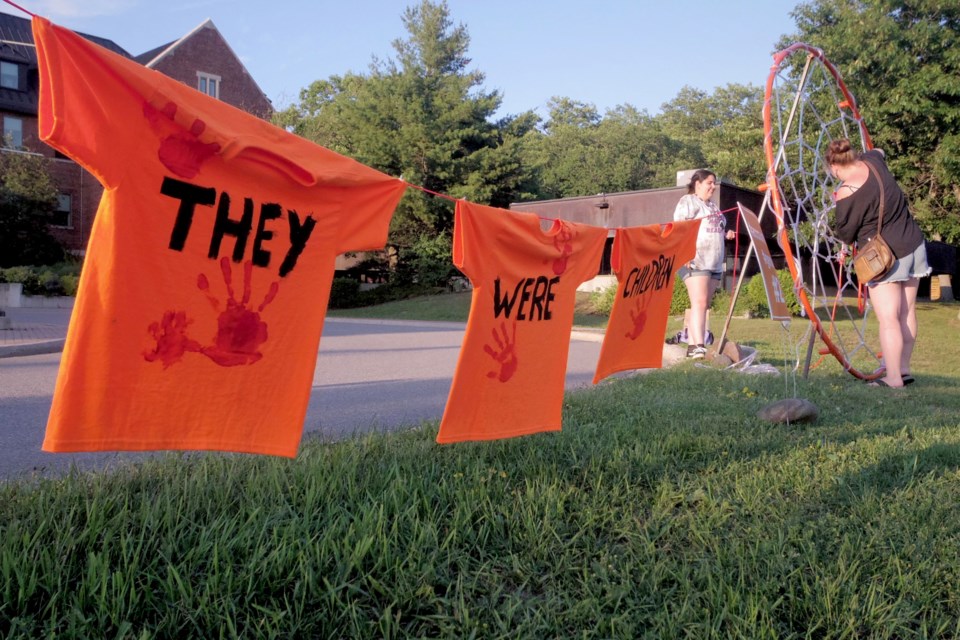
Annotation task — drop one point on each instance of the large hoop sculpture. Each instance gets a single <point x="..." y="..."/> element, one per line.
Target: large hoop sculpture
<point x="806" y="105"/>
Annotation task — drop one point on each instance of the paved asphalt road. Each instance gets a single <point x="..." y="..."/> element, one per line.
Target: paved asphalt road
<point x="370" y="375"/>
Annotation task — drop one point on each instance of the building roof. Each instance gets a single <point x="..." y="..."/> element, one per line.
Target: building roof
<point x="16" y="45"/>
<point x="147" y="56"/>
<point x="18" y="33"/>
<point x="150" y="59"/>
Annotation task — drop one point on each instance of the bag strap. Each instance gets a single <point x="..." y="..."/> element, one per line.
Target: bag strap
<point x="876" y="174"/>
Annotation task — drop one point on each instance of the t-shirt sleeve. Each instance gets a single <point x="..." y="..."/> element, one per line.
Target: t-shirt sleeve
<point x="86" y="109"/>
<point x="849" y="219"/>
<point x="466" y="231"/>
<point x="685" y="210"/>
<point x="616" y="253"/>
<point x="367" y="210"/>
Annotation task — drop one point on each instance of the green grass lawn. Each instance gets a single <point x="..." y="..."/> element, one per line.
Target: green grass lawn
<point x="664" y="509"/>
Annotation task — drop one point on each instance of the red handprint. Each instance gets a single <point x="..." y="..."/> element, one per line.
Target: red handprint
<point x="639" y="320"/>
<point x="240" y="331"/>
<point x="562" y="243"/>
<point x="181" y="151"/>
<point x="507" y="355"/>
<point x="172" y="341"/>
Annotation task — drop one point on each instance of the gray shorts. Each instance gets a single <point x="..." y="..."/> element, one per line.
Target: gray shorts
<point x="911" y="266"/>
<point x="685" y="273"/>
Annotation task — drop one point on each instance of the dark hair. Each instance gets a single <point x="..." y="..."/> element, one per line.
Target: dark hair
<point x="699" y="176"/>
<point x="840" y="152"/>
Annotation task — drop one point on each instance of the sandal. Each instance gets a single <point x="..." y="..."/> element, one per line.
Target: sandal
<point x="907" y="379"/>
<point x="881" y="383"/>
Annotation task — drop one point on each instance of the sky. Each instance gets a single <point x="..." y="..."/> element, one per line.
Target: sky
<point x="602" y="52"/>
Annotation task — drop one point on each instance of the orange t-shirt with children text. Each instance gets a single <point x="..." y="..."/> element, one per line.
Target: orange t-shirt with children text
<point x="645" y="260"/>
<point x="205" y="284"/>
<point x="510" y="374"/>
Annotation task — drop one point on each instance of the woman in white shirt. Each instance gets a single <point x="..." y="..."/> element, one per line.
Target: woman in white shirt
<point x="702" y="275"/>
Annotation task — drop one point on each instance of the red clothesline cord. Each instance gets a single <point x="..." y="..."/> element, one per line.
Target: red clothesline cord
<point x="16" y="6"/>
<point x="415" y="186"/>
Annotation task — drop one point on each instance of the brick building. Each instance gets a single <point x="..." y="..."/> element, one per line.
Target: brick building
<point x="201" y="59"/>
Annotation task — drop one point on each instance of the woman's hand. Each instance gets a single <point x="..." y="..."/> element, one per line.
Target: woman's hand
<point x="731" y="235"/>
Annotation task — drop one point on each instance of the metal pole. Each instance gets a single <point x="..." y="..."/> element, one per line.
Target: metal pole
<point x="793" y="109"/>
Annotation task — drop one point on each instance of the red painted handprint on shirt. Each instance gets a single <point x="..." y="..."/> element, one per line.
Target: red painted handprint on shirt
<point x="505" y="354"/>
<point x="181" y="151"/>
<point x="562" y="243"/>
<point x="638" y="317"/>
<point x="240" y="330"/>
<point x="172" y="340"/>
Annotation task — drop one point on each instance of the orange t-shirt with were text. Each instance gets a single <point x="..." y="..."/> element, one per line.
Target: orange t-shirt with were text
<point x="509" y="378"/>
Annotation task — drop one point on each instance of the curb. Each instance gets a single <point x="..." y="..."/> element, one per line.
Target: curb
<point x="32" y="348"/>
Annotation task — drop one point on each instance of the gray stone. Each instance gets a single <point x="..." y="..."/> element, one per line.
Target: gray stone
<point x="721" y="361"/>
<point x="789" y="410"/>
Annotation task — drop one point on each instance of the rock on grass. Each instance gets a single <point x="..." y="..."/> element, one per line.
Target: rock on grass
<point x="789" y="410"/>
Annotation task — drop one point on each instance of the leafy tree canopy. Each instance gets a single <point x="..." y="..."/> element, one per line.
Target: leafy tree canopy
<point x="423" y="116"/>
<point x="722" y="131"/>
<point x="901" y="60"/>
<point x="27" y="200"/>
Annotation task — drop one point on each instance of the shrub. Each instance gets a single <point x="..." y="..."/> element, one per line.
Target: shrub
<point x="602" y="300"/>
<point x="27" y="276"/>
<point x="681" y="300"/>
<point x="50" y="283"/>
<point x="755" y="297"/>
<point x="428" y="261"/>
<point x="433" y="260"/>
<point x="70" y="284"/>
<point x="55" y="280"/>
<point x="344" y="293"/>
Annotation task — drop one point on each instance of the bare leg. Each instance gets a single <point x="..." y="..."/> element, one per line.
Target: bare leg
<point x="887" y="305"/>
<point x="908" y="321"/>
<point x="699" y="289"/>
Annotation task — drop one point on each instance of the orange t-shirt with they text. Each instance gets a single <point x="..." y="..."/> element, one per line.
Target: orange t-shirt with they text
<point x="510" y="375"/>
<point x="205" y="284"/>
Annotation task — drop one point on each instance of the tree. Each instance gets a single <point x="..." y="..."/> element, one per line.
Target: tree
<point x="422" y="116"/>
<point x="581" y="153"/>
<point x="901" y="60"/>
<point x="27" y="201"/>
<point x="722" y="131"/>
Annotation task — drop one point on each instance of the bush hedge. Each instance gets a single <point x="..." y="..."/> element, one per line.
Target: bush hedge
<point x="345" y="293"/>
<point x="59" y="279"/>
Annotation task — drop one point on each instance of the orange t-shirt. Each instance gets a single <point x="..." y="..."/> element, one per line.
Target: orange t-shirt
<point x="202" y="298"/>
<point x="645" y="260"/>
<point x="510" y="374"/>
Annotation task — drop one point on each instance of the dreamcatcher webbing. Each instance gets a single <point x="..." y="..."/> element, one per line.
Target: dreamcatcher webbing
<point x="803" y="112"/>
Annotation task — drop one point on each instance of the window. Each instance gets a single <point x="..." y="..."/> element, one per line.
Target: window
<point x="9" y="75"/>
<point x="12" y="132"/>
<point x="208" y="84"/>
<point x="61" y="215"/>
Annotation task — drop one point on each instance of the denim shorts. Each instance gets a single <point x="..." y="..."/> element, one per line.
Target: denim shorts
<point x="911" y="266"/>
<point x="685" y="273"/>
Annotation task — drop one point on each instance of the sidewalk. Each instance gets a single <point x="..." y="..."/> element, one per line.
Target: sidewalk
<point x="33" y="331"/>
